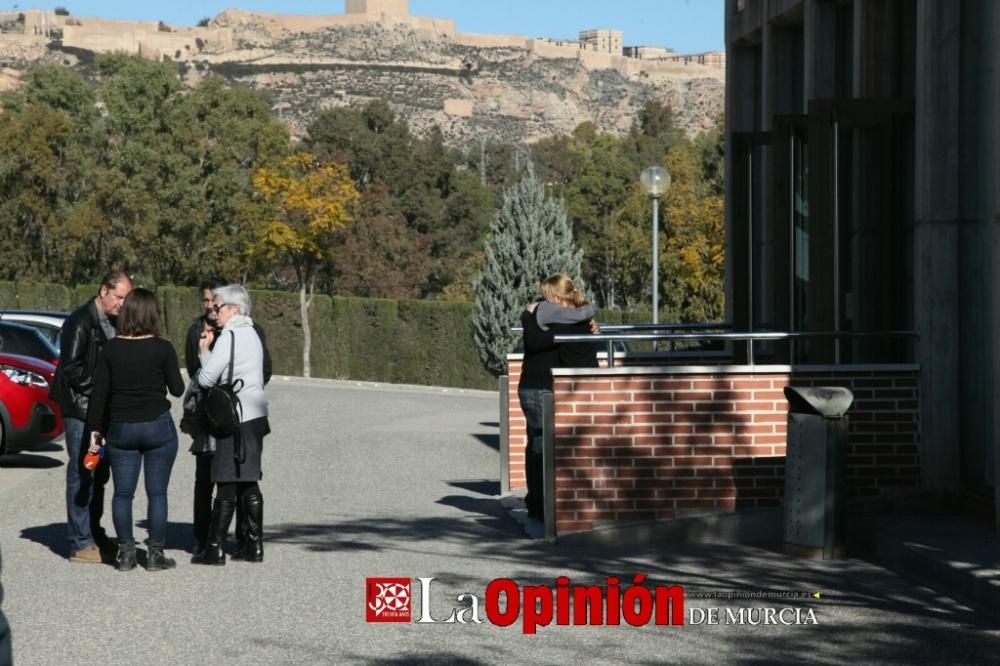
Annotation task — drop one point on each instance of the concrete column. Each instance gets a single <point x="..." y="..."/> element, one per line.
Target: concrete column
<point x="819" y="50"/>
<point x="936" y="220"/>
<point x="994" y="141"/>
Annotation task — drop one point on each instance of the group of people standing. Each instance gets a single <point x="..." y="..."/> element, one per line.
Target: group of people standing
<point x="112" y="382"/>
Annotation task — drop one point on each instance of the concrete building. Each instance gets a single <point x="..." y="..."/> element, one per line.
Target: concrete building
<point x="647" y="52"/>
<point x="602" y="41"/>
<point x="863" y="194"/>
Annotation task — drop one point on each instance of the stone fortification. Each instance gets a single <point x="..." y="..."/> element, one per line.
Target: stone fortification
<point x="473" y="86"/>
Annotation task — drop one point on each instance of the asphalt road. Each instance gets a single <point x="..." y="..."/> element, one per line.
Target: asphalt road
<point x="365" y="481"/>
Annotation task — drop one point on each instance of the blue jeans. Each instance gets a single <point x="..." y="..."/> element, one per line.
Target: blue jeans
<point x="84" y="490"/>
<point x="531" y="405"/>
<point x="151" y="446"/>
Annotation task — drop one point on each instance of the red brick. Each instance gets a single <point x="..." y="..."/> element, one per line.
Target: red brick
<point x="714" y="384"/>
<point x="576" y="462"/>
<point x="773" y="417"/>
<point x="676" y="493"/>
<point x="654" y="396"/>
<point x="609" y="397"/>
<point x="593" y="430"/>
<point x="594" y="408"/>
<point x="692" y="460"/>
<point x="635" y="473"/>
<point x="694" y="483"/>
<point x="571" y="525"/>
<point x="595" y="515"/>
<point x="674" y="429"/>
<point x="591" y="386"/>
<point x="753" y="450"/>
<point x="630" y="385"/>
<point x="732" y="396"/>
<point x="674" y="472"/>
<point x="745" y="384"/>
<point x="631" y="407"/>
<point x="671" y="385"/>
<point x="633" y="430"/>
<point x="692" y="396"/>
<point x="675" y="407"/>
<point x="692" y="440"/>
<point x="692" y="418"/>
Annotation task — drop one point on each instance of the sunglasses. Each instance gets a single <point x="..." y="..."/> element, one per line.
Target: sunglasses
<point x="216" y="308"/>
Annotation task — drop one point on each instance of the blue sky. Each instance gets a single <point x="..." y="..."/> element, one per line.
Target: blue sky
<point x="685" y="25"/>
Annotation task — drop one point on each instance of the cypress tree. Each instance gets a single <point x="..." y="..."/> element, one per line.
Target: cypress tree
<point x="530" y="239"/>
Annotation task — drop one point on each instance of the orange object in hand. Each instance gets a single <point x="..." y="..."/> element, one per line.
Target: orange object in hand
<point x="94" y="453"/>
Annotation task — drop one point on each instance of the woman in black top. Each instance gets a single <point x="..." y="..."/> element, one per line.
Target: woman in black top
<point x="130" y="409"/>
<point x="563" y="309"/>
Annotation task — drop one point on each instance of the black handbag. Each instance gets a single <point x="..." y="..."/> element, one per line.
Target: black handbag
<point x="221" y="409"/>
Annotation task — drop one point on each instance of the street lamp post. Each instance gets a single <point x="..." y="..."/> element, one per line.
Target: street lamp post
<point x="655" y="181"/>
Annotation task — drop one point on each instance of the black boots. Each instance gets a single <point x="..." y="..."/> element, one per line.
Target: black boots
<point x="125" y="558"/>
<point x="156" y="560"/>
<point x="222" y="515"/>
<point x="251" y="540"/>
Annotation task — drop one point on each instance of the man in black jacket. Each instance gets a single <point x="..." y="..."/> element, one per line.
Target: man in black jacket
<point x="84" y="334"/>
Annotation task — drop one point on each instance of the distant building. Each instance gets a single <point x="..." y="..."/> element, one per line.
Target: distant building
<point x="648" y="52"/>
<point x="377" y="8"/>
<point x="602" y="41"/>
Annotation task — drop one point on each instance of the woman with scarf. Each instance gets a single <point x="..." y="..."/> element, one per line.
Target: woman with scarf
<point x="236" y="466"/>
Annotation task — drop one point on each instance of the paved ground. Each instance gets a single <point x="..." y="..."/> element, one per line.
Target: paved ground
<point x="366" y="480"/>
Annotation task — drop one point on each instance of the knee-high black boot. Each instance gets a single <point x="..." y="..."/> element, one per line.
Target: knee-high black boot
<point x="253" y="516"/>
<point x="202" y="518"/>
<point x="240" y="529"/>
<point x="222" y="515"/>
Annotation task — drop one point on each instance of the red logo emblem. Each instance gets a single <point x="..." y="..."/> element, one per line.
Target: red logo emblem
<point x="387" y="599"/>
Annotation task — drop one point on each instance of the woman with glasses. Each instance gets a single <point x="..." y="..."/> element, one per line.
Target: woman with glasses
<point x="130" y="410"/>
<point x="236" y="465"/>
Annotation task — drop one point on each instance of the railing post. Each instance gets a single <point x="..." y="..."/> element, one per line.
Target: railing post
<point x="504" y="435"/>
<point x="549" y="464"/>
<point x="611" y="353"/>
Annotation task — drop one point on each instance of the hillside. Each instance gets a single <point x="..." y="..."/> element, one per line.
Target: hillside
<point x="474" y="87"/>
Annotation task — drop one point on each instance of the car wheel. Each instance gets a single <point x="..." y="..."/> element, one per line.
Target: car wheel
<point x="3" y="439"/>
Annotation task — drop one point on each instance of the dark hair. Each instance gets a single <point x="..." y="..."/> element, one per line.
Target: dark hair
<point x="140" y="314"/>
<point x="213" y="283"/>
<point x="112" y="279"/>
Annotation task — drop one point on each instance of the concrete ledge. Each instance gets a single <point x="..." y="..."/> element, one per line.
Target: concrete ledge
<point x="753" y="527"/>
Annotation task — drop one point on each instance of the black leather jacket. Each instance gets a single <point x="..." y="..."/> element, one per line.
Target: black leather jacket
<point x="82" y="341"/>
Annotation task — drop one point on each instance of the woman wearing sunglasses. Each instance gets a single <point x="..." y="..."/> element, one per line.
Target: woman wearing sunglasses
<point x="236" y="465"/>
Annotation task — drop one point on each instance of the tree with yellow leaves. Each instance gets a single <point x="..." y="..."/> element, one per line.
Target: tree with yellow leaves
<point x="302" y="203"/>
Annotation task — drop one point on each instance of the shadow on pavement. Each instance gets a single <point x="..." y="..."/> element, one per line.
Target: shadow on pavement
<point x="52" y="536"/>
<point x="29" y="461"/>
<point x="481" y="486"/>
<point x="492" y="441"/>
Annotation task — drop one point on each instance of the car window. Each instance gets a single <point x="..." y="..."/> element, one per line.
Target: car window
<point x="26" y="342"/>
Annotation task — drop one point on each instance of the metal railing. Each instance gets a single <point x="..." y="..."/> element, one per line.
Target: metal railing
<point x="610" y="337"/>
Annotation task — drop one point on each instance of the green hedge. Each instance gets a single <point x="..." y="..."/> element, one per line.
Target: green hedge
<point x="407" y="342"/>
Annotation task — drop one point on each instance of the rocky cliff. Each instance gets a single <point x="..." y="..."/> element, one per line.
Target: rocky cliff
<point x="506" y="93"/>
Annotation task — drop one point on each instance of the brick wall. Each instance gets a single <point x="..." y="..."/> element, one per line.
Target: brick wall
<point x="653" y="444"/>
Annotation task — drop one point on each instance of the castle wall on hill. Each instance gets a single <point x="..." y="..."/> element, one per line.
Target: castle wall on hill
<point x="483" y="41"/>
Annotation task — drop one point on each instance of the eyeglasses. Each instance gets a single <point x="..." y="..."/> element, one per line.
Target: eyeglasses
<point x="216" y="308"/>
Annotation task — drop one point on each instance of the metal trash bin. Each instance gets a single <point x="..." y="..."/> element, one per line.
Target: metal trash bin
<point x="816" y="471"/>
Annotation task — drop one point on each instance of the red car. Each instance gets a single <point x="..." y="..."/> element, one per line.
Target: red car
<point x="27" y="415"/>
